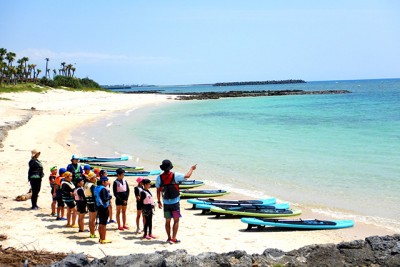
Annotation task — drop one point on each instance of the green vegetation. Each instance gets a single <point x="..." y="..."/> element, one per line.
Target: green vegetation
<point x="24" y="76"/>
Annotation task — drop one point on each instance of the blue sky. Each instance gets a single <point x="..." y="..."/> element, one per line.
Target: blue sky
<point x="184" y="42"/>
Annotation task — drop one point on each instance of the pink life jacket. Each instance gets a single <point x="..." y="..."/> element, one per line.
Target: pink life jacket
<point x="121" y="186"/>
<point x="148" y="199"/>
<point x="76" y="196"/>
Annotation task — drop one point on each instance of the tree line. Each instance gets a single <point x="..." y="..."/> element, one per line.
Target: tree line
<point x="24" y="72"/>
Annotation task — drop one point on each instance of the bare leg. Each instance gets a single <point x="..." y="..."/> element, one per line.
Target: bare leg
<point x="62" y="212"/>
<point x="80" y="221"/>
<point x="110" y="211"/>
<point x="119" y="207"/>
<point x="138" y="214"/>
<point x="73" y="211"/>
<point x="53" y="207"/>
<point x="69" y="216"/>
<point x="102" y="231"/>
<point x="124" y="215"/>
<point x="175" y="228"/>
<point x="92" y="222"/>
<point x="168" y="227"/>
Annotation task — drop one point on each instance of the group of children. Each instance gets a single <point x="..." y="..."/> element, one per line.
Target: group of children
<point x="84" y="190"/>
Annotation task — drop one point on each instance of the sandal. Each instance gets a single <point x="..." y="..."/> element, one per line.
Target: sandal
<point x="121" y="228"/>
<point x="105" y="241"/>
<point x="173" y="241"/>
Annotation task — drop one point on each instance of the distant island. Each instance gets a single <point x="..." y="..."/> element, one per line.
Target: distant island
<point x="258" y="82"/>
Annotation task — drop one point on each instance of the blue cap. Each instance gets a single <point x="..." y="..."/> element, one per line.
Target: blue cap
<point x="74" y="157"/>
<point x="86" y="167"/>
<point x="103" y="178"/>
<point x="61" y="171"/>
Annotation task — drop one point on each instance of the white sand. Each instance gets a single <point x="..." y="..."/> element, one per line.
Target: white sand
<point x="57" y="113"/>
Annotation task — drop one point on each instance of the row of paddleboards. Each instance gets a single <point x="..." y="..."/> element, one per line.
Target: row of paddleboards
<point x="255" y="213"/>
<point x="262" y="213"/>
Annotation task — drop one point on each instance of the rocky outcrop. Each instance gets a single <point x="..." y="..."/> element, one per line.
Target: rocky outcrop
<point x="373" y="251"/>
<point x="217" y="95"/>
<point x="12" y="125"/>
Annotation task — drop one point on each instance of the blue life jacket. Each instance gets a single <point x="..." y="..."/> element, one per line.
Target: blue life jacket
<point x="99" y="201"/>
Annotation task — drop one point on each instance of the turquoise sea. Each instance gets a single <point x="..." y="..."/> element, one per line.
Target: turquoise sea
<point x="336" y="154"/>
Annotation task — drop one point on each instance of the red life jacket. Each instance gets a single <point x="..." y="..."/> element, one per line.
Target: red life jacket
<point x="169" y="186"/>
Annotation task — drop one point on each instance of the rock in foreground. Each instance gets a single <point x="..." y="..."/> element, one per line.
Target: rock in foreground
<point x="373" y="251"/>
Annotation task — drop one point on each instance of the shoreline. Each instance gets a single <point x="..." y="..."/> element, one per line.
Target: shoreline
<point x="58" y="113"/>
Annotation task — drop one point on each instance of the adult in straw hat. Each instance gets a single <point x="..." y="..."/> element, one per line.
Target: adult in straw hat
<point x="35" y="175"/>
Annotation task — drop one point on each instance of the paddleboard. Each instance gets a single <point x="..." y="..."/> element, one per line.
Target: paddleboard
<point x="298" y="224"/>
<point x="190" y="184"/>
<point x="115" y="166"/>
<point x="103" y="159"/>
<point x="138" y="173"/>
<point x="255" y="211"/>
<point x="202" y="193"/>
<point x="207" y="207"/>
<point x="267" y="201"/>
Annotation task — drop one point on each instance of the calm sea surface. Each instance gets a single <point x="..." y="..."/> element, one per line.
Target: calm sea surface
<point x="336" y="154"/>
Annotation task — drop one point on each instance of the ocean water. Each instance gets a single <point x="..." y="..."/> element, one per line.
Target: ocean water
<point x="336" y="154"/>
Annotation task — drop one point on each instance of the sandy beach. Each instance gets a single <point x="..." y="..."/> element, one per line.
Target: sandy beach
<point x="54" y="115"/>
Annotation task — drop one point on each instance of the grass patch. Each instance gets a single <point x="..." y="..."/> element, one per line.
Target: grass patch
<point x="4" y="98"/>
<point x="31" y="87"/>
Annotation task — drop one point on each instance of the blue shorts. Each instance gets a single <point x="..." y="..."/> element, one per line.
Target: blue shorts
<point x="172" y="211"/>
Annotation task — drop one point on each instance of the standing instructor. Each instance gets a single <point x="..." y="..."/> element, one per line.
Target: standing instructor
<point x="168" y="183"/>
<point x="35" y="175"/>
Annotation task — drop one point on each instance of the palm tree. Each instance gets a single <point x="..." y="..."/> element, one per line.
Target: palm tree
<point x="54" y="73"/>
<point x="10" y="57"/>
<point x="73" y="71"/>
<point x="63" y="68"/>
<point x="69" y="68"/>
<point x="37" y="73"/>
<point x="47" y="63"/>
<point x="3" y="65"/>
<point x="3" y="52"/>
<point x="34" y="70"/>
<point x="3" y="70"/>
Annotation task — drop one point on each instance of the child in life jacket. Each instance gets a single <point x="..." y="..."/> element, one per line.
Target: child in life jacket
<point x="60" y="201"/>
<point x="68" y="188"/>
<point x="121" y="194"/>
<point x="139" y="203"/>
<point x="90" y="202"/>
<point x="53" y="186"/>
<point x="102" y="198"/>
<point x="80" y="200"/>
<point x="148" y="208"/>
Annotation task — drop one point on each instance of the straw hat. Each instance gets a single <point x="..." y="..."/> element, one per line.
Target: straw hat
<point x="34" y="152"/>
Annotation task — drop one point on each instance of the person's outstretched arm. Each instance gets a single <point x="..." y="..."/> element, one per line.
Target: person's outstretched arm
<point x="189" y="173"/>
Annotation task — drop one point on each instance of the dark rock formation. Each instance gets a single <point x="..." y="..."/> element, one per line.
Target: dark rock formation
<point x="217" y="95"/>
<point x="12" y="125"/>
<point x="373" y="251"/>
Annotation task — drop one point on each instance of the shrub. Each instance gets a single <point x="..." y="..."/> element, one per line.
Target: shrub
<point x="67" y="81"/>
<point x="88" y="83"/>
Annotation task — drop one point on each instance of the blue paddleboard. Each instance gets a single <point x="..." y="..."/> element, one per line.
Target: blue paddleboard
<point x="313" y="224"/>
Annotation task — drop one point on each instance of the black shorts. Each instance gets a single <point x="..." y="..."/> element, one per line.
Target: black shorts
<point x="91" y="207"/>
<point x="60" y="202"/>
<point x="103" y="215"/>
<point x="172" y="211"/>
<point x="139" y="205"/>
<point x="81" y="207"/>
<point x="119" y="202"/>
<point x="70" y="204"/>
